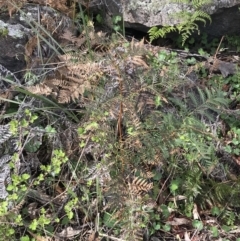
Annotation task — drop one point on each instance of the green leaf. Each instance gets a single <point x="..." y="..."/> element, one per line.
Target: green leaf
<point x="191" y="40"/>
<point x="25" y="238"/>
<point x="157" y="226"/>
<point x="226" y="228"/>
<point x="10" y="187"/>
<point x="192" y="61"/>
<point x="236" y="151"/>
<point x="33" y="225"/>
<point x="117" y="28"/>
<point x="99" y="18"/>
<point x="165" y="211"/>
<point x="65" y="221"/>
<point x="80" y="131"/>
<point x="197" y="224"/>
<point x="215" y="211"/>
<point x="117" y="19"/>
<point x="161" y="57"/>
<point x="157" y="176"/>
<point x="166" y="227"/>
<point x="214" y="231"/>
<point x="228" y="149"/>
<point x="50" y="129"/>
<point x="174" y="186"/>
<point x="158" y="101"/>
<point x="25" y="176"/>
<point x="108" y="220"/>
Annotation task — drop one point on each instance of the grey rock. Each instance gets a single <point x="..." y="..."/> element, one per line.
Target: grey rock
<point x="16" y="30"/>
<point x="142" y="15"/>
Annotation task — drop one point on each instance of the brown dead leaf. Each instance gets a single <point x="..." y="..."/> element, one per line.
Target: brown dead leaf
<point x="68" y="232"/>
<point x="178" y="221"/>
<point x="58" y="189"/>
<point x="30" y="46"/>
<point x="163" y="71"/>
<point x="68" y="35"/>
<point x="195" y="212"/>
<point x="11" y="5"/>
<point x="32" y="210"/>
<point x="138" y="60"/>
<point x="137" y="45"/>
<point x="93" y="236"/>
<point x="164" y="99"/>
<point x="41" y="238"/>
<point x="186" y="237"/>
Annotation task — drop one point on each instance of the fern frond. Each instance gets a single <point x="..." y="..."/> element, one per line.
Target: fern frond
<point x="204" y="100"/>
<point x="59" y="82"/>
<point x="40" y="89"/>
<point x="156" y="32"/>
<point x="200" y="16"/>
<point x="188" y="22"/>
<point x="196" y="4"/>
<point x="199" y="3"/>
<point x="140" y="185"/>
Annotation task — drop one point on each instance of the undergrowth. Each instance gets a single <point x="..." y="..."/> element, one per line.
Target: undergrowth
<point x="117" y="143"/>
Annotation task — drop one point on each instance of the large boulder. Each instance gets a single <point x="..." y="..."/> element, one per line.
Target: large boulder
<point x="142" y="15"/>
<point x="13" y="37"/>
<point x="21" y="37"/>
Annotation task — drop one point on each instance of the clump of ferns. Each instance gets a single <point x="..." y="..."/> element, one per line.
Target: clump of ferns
<point x="126" y="203"/>
<point x="188" y="24"/>
<point x="181" y="129"/>
<point x="186" y="128"/>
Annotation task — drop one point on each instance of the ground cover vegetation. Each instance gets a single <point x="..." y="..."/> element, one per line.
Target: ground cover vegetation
<point x="119" y="140"/>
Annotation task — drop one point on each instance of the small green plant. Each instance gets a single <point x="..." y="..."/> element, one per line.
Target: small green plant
<point x="3" y="32"/>
<point x="30" y="78"/>
<point x="233" y="146"/>
<point x="188" y="24"/>
<point x="118" y="24"/>
<point x="99" y="18"/>
<point x="70" y="205"/>
<point x="41" y="222"/>
<point x="54" y="168"/>
<point x="197" y="224"/>
<point x="233" y="42"/>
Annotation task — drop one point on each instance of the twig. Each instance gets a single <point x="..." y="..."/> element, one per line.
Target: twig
<point x="163" y="186"/>
<point x="110" y="237"/>
<point x="215" y="56"/>
<point x="79" y="159"/>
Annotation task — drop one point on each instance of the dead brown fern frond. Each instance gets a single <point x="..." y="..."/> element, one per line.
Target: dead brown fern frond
<point x="138" y="60"/>
<point x="12" y="5"/>
<point x="40" y="89"/>
<point x="69" y="93"/>
<point x="137" y="45"/>
<point x="60" y="5"/>
<point x="138" y="186"/>
<point x="77" y="41"/>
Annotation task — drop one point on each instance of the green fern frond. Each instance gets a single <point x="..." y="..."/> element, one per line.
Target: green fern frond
<point x="156" y="32"/>
<point x="203" y="101"/>
<point x="201" y="16"/>
<point x="199" y="3"/>
<point x="196" y="4"/>
<point x="188" y="25"/>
